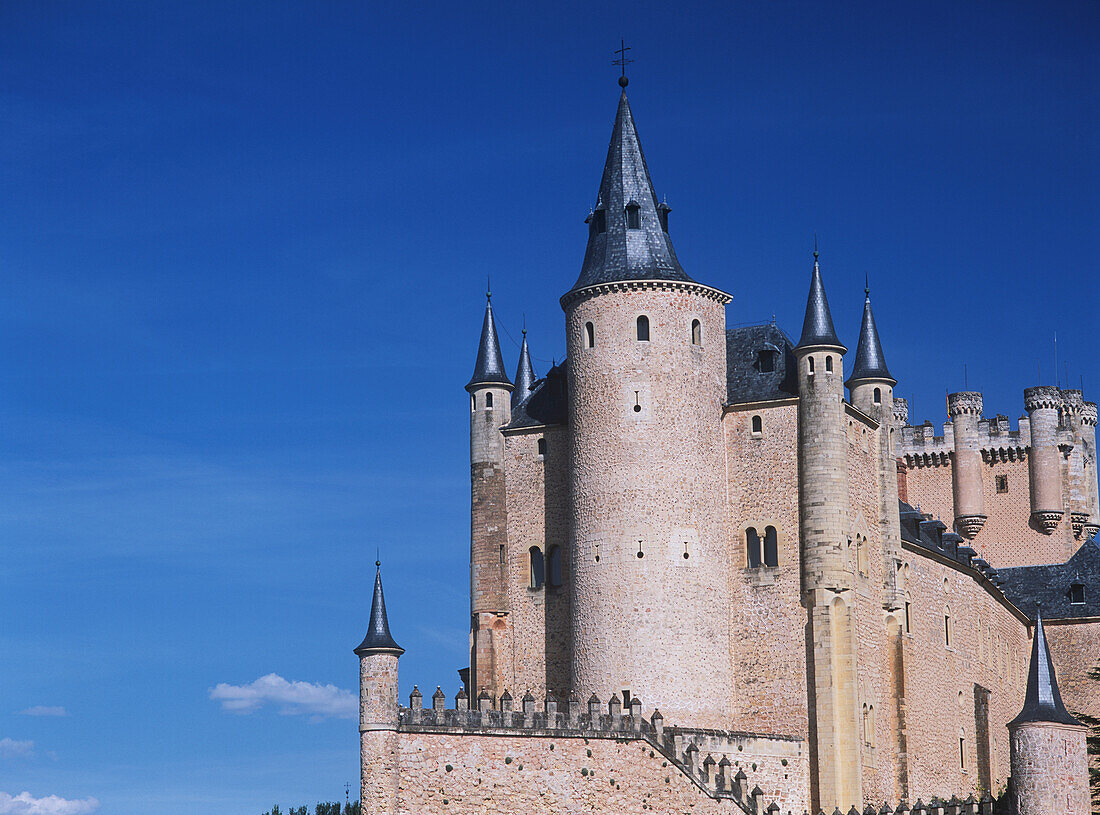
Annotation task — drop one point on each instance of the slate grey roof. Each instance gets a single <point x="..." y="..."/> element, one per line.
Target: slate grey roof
<point x="817" y="328"/>
<point x="378" y="638"/>
<point x="870" y="362"/>
<point x="489" y="367"/>
<point x="525" y="373"/>
<point x="1027" y="586"/>
<point x="546" y="404"/>
<point x="617" y="253"/>
<point x="1042" y="701"/>
<point x="745" y="382"/>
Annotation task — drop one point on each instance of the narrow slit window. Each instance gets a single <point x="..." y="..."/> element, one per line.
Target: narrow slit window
<point x="488" y="400"/>
<point x="810" y="360"/>
<point x="947" y="628"/>
<point x="878" y="396"/>
<point x="771" y="547"/>
<point x="908" y="618"/>
<point x="1002" y="483"/>
<point x="696" y="333"/>
<point x="542" y="448"/>
<point x="828" y="364"/>
<point x="642" y="328"/>
<point x="538" y="567"/>
<point x="589" y="335"/>
<point x="752" y="544"/>
<point x="757" y="425"/>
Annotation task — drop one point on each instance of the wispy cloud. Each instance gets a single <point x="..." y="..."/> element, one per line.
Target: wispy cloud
<point x="26" y="804"/>
<point x="10" y="748"/>
<point x="44" y="710"/>
<point x="291" y="698"/>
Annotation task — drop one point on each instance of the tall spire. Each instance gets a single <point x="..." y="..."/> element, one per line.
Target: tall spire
<point x="628" y="230"/>
<point x="489" y="368"/>
<point x="525" y="374"/>
<point x="1042" y="702"/>
<point x="378" y="631"/>
<point x="817" y="328"/>
<point x="870" y="362"/>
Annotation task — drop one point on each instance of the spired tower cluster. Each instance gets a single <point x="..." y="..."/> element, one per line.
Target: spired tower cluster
<point x="651" y="577"/>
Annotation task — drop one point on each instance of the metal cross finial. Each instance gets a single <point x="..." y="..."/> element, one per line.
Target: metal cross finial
<point x="815" y="246"/>
<point x="622" y="61"/>
<point x="866" y="285"/>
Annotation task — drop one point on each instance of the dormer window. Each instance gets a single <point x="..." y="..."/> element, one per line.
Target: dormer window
<point x="765" y="359"/>
<point x="663" y="210"/>
<point x="599" y="221"/>
<point x="1077" y="594"/>
<point x="633" y="215"/>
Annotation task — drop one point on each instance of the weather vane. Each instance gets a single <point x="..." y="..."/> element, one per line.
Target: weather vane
<point x="622" y="62"/>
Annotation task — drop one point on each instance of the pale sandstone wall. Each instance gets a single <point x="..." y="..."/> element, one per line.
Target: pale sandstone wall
<point x="767" y="620"/>
<point x="537" y="496"/>
<point x="1075" y="649"/>
<point x="649" y="481"/>
<point x="558" y="773"/>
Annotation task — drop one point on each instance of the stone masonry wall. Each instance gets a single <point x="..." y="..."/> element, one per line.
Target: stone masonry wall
<point x="538" y="516"/>
<point x="1049" y="773"/>
<point x="1075" y="649"/>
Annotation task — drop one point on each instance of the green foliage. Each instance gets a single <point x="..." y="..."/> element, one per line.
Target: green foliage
<point x="323" y="808"/>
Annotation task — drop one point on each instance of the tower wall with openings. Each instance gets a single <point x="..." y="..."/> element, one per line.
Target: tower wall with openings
<point x="650" y="562"/>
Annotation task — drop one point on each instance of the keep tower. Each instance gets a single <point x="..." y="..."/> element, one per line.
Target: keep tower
<point x="647" y="368"/>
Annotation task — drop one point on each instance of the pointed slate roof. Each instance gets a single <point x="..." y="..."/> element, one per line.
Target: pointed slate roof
<point x="489" y="368"/>
<point x="870" y="362"/>
<point x="525" y="374"/>
<point x="378" y="637"/>
<point x="616" y="253"/>
<point x="817" y="328"/>
<point x="1042" y="702"/>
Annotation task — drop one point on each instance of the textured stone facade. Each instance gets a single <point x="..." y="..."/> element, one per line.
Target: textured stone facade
<point x="1049" y="773"/>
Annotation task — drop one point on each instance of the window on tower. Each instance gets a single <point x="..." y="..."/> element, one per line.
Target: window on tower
<point x="555" y="566"/>
<point x="810" y="360"/>
<point x="1002" y="483"/>
<point x="488" y="400"/>
<point x="878" y="396"/>
<point x="542" y="448"/>
<point x="633" y="215"/>
<point x="696" y="333"/>
<point x="642" y="330"/>
<point x="589" y="335"/>
<point x="771" y="546"/>
<point x="537" y="568"/>
<point x="829" y="364"/>
<point x="752" y="547"/>
<point x="599" y="221"/>
<point x="757" y="425"/>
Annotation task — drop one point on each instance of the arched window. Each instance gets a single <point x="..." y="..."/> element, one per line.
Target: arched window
<point x="555" y="566"/>
<point x="810" y="360"/>
<point x="542" y="448"/>
<point x="473" y="402"/>
<point x="633" y="216"/>
<point x="752" y="544"/>
<point x="829" y="364"/>
<point x="771" y="547"/>
<point x="696" y="332"/>
<point x="757" y="425"/>
<point x="538" y="567"/>
<point x="589" y="335"/>
<point x="878" y="396"/>
<point x="488" y="400"/>
<point x="642" y="330"/>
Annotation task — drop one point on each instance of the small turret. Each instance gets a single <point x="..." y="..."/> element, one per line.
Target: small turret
<point x="1047" y="750"/>
<point x="965" y="410"/>
<point x="378" y="654"/>
<point x="870" y="379"/>
<point x="817" y="327"/>
<point x="525" y="374"/>
<point x="489" y="366"/>
<point x="1043" y="405"/>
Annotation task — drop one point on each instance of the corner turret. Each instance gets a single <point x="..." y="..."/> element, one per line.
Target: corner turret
<point x="965" y="410"/>
<point x="1047" y="750"/>
<point x="378" y="654"/>
<point x="1044" y="407"/>
<point x="817" y="327"/>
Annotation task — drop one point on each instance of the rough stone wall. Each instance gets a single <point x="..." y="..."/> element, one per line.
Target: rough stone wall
<point x="767" y="621"/>
<point x="475" y="773"/>
<point x="1048" y="770"/>
<point x="648" y="532"/>
<point x="537" y="488"/>
<point x="989" y="647"/>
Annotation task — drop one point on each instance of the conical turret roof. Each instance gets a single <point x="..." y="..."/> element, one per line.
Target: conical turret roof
<point x="870" y="362"/>
<point x="617" y="252"/>
<point x="1042" y="701"/>
<point x="525" y="374"/>
<point x="378" y="631"/>
<point x="817" y="328"/>
<point x="489" y="367"/>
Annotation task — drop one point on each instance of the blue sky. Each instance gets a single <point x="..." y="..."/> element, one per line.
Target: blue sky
<point x="243" y="253"/>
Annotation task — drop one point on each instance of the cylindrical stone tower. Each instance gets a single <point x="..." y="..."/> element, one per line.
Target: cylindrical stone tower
<point x="1092" y="488"/>
<point x="1047" y="749"/>
<point x="378" y="654"/>
<point x="1043" y="404"/>
<point x="965" y="409"/>
<point x="490" y="409"/>
<point x="647" y="381"/>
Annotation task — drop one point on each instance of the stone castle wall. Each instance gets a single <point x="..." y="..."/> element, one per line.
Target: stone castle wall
<point x="1050" y="774"/>
<point x="1075" y="649"/>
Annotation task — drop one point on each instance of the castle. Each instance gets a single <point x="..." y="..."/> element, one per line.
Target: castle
<point x="703" y="579"/>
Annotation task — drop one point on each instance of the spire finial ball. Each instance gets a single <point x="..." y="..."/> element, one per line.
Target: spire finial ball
<point x="623" y="81"/>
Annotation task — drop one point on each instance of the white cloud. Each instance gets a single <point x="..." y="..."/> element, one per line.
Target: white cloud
<point x="44" y="710"/>
<point x="291" y="698"/>
<point x="10" y="748"/>
<point x="26" y="804"/>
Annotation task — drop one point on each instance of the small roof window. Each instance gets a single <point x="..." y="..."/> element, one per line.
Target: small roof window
<point x="1077" y="594"/>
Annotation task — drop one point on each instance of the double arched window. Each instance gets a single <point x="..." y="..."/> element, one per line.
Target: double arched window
<point x="761" y="551"/>
<point x="537" y="568"/>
